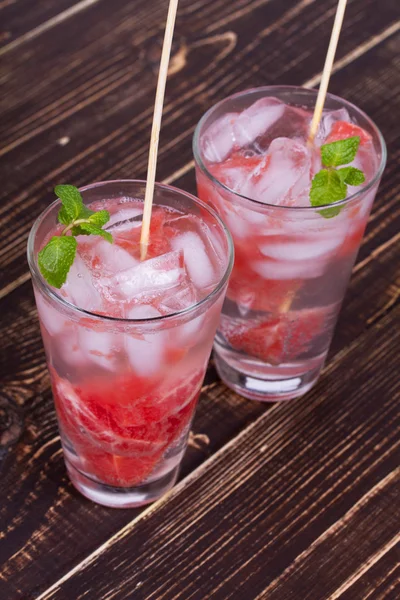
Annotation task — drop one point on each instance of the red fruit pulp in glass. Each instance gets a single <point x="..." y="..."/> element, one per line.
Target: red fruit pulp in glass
<point x="121" y="429"/>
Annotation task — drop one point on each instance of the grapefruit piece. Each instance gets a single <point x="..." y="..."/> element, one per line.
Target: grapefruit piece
<point x="278" y="339"/>
<point x="342" y="130"/>
<point x="120" y="442"/>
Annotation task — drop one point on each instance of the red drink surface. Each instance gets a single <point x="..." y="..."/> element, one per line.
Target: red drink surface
<point x="125" y="392"/>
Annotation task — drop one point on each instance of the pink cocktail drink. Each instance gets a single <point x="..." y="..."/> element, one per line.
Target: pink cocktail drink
<point x="292" y="260"/>
<point x="127" y="341"/>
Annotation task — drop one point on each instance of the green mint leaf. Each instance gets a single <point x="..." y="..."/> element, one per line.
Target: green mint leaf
<point x="56" y="258"/>
<point x="86" y="212"/>
<point x="72" y="203"/>
<point x="330" y="185"/>
<point x="341" y="152"/>
<point x="351" y="175"/>
<point x="328" y="213"/>
<point x="91" y="229"/>
<point x="100" y="218"/>
<point x="326" y="188"/>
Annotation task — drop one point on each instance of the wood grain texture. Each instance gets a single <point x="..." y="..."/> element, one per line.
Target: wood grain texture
<point x="19" y="18"/>
<point x="381" y="580"/>
<point x="271" y="501"/>
<point x="287" y="511"/>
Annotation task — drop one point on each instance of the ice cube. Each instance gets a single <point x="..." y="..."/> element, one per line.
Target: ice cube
<point x="233" y="176"/>
<point x="113" y="258"/>
<point x="256" y="120"/>
<point x="211" y="238"/>
<point x="242" y="175"/>
<point x="86" y="242"/>
<point x="198" y="264"/>
<point x="79" y="289"/>
<point x="294" y="124"/>
<point x="98" y="346"/>
<point x="219" y="139"/>
<point x="191" y="332"/>
<point x="237" y="130"/>
<point x="122" y="219"/>
<point x="365" y="204"/>
<point x="288" y="173"/>
<point x="215" y="240"/>
<point x="237" y="226"/>
<point x="180" y="298"/>
<point x="328" y="119"/>
<point x="68" y="350"/>
<point x="145" y="355"/>
<point x="52" y="319"/>
<point x="280" y="270"/>
<point x="151" y="276"/>
<point x="300" y="250"/>
<point x="254" y="217"/>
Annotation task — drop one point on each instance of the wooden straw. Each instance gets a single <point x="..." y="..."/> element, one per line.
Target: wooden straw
<point x="155" y="130"/>
<point x="330" y="56"/>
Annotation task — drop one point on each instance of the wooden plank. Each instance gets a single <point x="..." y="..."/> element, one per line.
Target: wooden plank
<point x="291" y="508"/>
<point x="104" y="122"/>
<point x="331" y="557"/>
<point x="379" y="580"/>
<point x="19" y="18"/>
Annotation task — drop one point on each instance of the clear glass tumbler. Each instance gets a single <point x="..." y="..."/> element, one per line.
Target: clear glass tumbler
<point x="292" y="266"/>
<point x="124" y="429"/>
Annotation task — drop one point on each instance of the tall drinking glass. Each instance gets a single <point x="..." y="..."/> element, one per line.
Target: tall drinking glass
<point x="126" y="377"/>
<point x="292" y="261"/>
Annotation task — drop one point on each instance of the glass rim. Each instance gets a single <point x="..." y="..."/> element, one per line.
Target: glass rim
<point x="312" y="91"/>
<point x="52" y="294"/>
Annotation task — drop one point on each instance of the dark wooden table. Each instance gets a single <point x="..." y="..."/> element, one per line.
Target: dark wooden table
<point x="294" y="501"/>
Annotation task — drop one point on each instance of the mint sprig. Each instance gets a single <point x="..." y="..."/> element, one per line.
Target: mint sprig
<point x="351" y="175"/>
<point x="340" y="152"/>
<point x="56" y="257"/>
<point x="72" y="204"/>
<point x="330" y="184"/>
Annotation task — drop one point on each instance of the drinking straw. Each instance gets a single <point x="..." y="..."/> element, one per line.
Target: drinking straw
<point x="330" y="56"/>
<point x="155" y="130"/>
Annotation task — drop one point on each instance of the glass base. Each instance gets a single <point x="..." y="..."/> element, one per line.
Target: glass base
<point x="266" y="383"/>
<point x="119" y="497"/>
